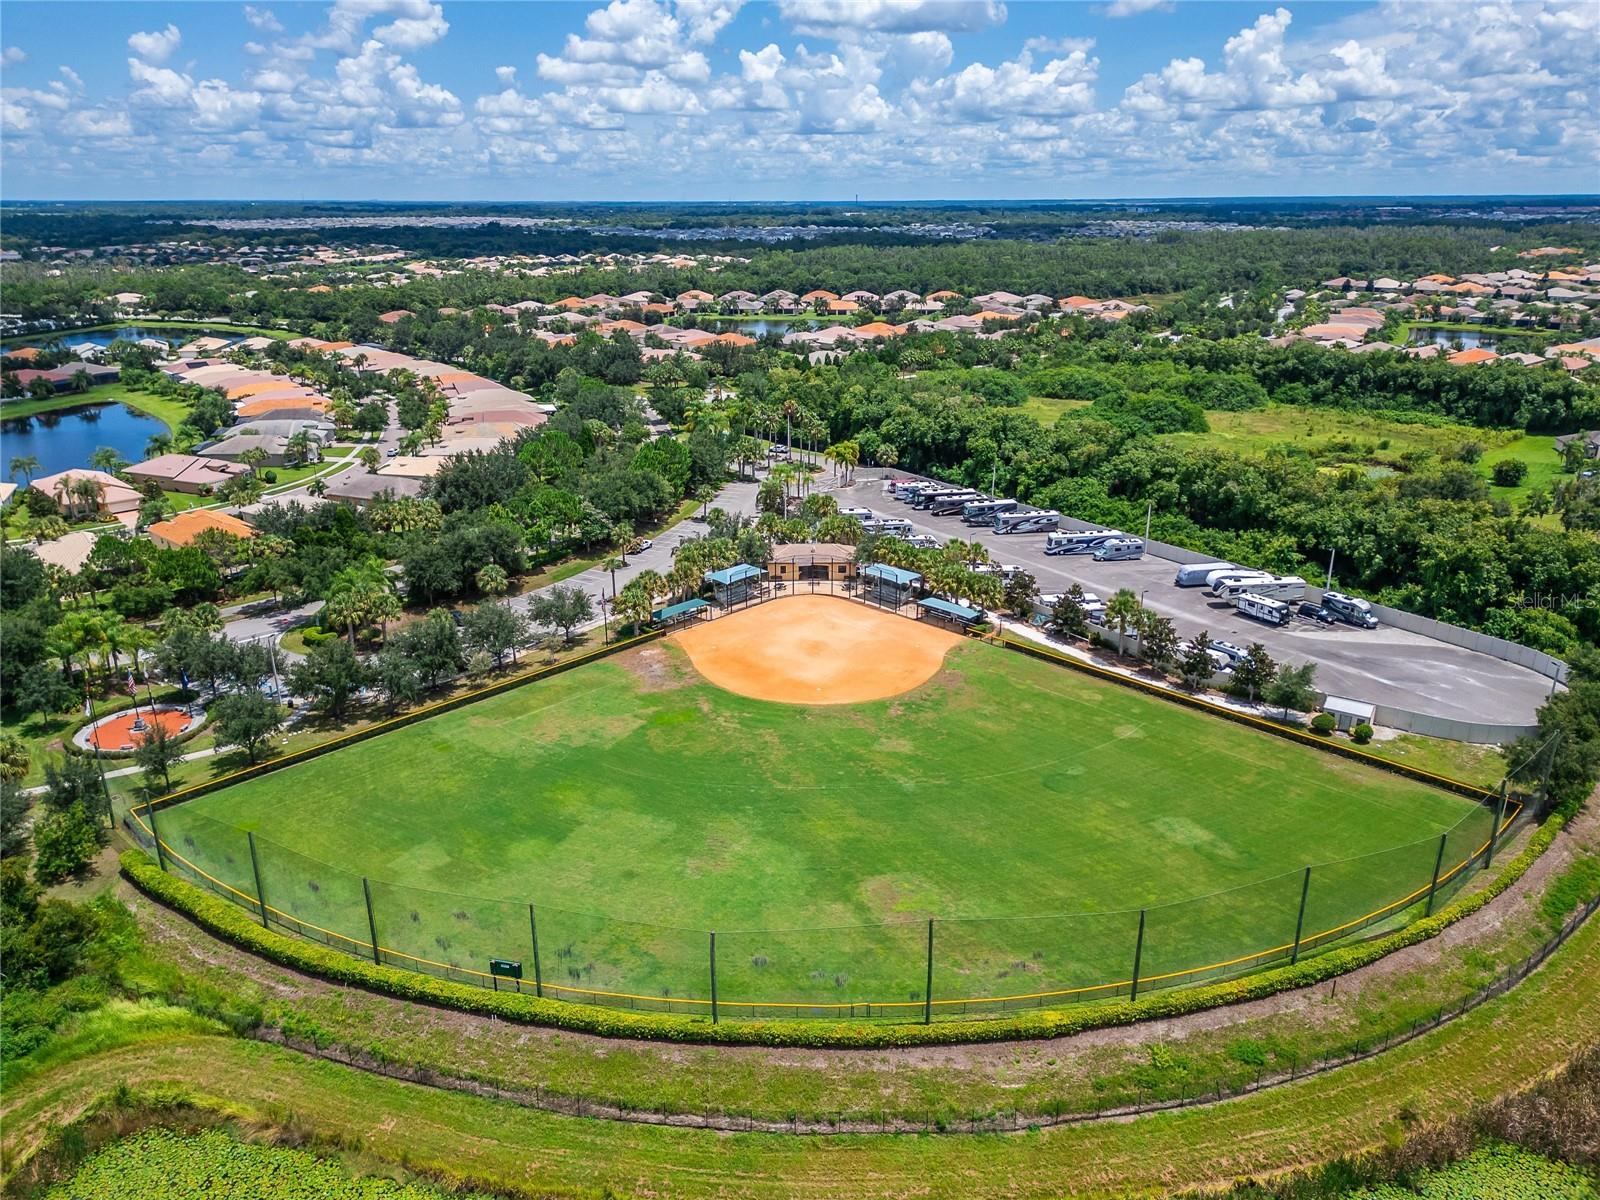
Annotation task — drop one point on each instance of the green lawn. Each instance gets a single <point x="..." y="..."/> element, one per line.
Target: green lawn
<point x="640" y="807"/>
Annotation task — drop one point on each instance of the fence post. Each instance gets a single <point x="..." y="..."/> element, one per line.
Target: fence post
<point x="155" y="835"/>
<point x="372" y="921"/>
<point x="1494" y="833"/>
<point x="713" y="976"/>
<point x="1438" y="865"/>
<point x="1300" y="921"/>
<point x="927" y="994"/>
<point x="1549" y="762"/>
<point x="255" y="869"/>
<point x="538" y="977"/>
<point x="1138" y="955"/>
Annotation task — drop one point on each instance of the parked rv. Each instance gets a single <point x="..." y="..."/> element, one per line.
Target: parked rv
<point x="1194" y="574"/>
<point x="1235" y="653"/>
<point x="1264" y="608"/>
<point x="1233" y="574"/>
<point x="1350" y="609"/>
<point x="982" y="512"/>
<point x="921" y="541"/>
<point x="944" y="506"/>
<point x="1034" y="520"/>
<point x="1119" y="550"/>
<point x="927" y="499"/>
<point x="860" y="514"/>
<point x="887" y="527"/>
<point x="1080" y="541"/>
<point x="1279" y="587"/>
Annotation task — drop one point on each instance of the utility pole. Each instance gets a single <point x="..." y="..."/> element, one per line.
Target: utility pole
<point x="1328" y="585"/>
<point x="1149" y="510"/>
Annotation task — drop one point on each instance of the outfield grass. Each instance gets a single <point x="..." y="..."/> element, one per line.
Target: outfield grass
<point x="1032" y="810"/>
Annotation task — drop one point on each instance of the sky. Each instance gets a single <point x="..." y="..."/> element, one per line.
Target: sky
<point x="796" y="99"/>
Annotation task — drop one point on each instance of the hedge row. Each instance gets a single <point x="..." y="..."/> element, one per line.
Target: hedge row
<point x="236" y="925"/>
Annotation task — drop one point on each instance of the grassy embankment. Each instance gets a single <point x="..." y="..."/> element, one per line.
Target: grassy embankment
<point x="1506" y="1044"/>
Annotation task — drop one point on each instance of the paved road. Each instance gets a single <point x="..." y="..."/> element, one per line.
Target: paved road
<point x="1385" y="666"/>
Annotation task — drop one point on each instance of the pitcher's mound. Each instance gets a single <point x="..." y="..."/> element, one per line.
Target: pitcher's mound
<point x="816" y="650"/>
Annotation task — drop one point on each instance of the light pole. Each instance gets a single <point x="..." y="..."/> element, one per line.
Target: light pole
<point x="1149" y="510"/>
<point x="1328" y="586"/>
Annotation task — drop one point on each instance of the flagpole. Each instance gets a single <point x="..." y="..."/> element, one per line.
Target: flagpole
<point x="94" y="740"/>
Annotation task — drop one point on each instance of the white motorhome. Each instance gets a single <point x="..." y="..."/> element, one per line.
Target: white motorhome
<point x="943" y="506"/>
<point x="1036" y="520"/>
<point x="1279" y="587"/>
<point x="1119" y="550"/>
<point x="1352" y="610"/>
<point x="860" y="514"/>
<point x="1231" y="574"/>
<point x="1264" y="608"/>
<point x="1080" y="541"/>
<point x="982" y="512"/>
<point x="887" y="527"/>
<point x="931" y="496"/>
<point x="1194" y="574"/>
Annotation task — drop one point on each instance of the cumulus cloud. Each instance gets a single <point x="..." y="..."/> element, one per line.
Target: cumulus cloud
<point x="1132" y="8"/>
<point x="263" y="19"/>
<point x="156" y="47"/>
<point x="842" y="18"/>
<point x="840" y="91"/>
<point x="13" y="56"/>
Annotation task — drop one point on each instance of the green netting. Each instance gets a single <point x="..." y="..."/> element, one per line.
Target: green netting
<point x="884" y="965"/>
<point x="312" y="898"/>
<point x="205" y="850"/>
<point x="1355" y="894"/>
<point x="585" y="957"/>
<point x="1226" y="933"/>
<point x="1034" y="960"/>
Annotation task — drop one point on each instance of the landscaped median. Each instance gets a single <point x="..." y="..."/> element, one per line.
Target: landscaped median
<point x="237" y="925"/>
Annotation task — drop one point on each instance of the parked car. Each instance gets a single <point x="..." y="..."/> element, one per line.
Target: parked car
<point x="1317" y="613"/>
<point x="642" y="544"/>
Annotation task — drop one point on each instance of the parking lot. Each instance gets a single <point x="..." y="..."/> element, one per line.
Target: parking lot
<point x="1383" y="665"/>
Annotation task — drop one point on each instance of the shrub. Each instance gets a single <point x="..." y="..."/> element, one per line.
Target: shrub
<point x="1361" y="734"/>
<point x="1323" y="723"/>
<point x="1509" y="472"/>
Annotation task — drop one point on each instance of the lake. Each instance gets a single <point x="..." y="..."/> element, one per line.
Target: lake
<point x="65" y="438"/>
<point x="104" y="337"/>
<point x="765" y="325"/>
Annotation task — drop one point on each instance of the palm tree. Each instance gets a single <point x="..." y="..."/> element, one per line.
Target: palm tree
<point x="108" y="460"/>
<point x="492" y="579"/>
<point x="622" y="535"/>
<point x="1123" y="611"/>
<point x="158" y="445"/>
<point x="85" y="493"/>
<point x="253" y="458"/>
<point x="613" y="564"/>
<point x="705" y="494"/>
<point x="299" y="447"/>
<point x="317" y="487"/>
<point x="24" y="465"/>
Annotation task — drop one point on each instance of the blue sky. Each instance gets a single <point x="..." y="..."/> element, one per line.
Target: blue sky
<point x="803" y="99"/>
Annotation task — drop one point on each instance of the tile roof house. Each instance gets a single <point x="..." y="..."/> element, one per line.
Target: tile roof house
<point x="812" y="297"/>
<point x="188" y="473"/>
<point x="989" y="299"/>
<point x="1467" y="358"/>
<point x="182" y="529"/>
<point x="115" y="497"/>
<point x="396" y="315"/>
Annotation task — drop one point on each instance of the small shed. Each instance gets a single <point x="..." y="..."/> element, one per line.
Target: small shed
<point x="803" y="562"/>
<point x="945" y="612"/>
<point x="681" y="614"/>
<point x="888" y="585"/>
<point x="735" y="584"/>
<point x="1347" y="714"/>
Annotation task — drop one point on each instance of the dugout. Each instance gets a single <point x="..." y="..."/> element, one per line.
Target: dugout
<point x="942" y="612"/>
<point x="812" y="562"/>
<point x="888" y="585"/>
<point x="735" y="584"/>
<point x="681" y="614"/>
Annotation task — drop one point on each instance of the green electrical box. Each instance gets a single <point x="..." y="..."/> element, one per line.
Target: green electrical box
<point x="505" y="968"/>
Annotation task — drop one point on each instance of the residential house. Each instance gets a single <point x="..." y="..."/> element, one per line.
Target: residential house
<point x="182" y="529"/>
<point x="395" y="316"/>
<point x="187" y="473"/>
<point x="113" y="498"/>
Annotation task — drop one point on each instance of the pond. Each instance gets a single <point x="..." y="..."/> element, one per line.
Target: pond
<point x="104" y="337"/>
<point x="765" y="325"/>
<point x="65" y="438"/>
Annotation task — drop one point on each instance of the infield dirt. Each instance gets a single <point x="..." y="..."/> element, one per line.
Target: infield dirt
<point x="816" y="650"/>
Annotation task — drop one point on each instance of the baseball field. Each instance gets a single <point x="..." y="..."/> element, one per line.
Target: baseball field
<point x="622" y="811"/>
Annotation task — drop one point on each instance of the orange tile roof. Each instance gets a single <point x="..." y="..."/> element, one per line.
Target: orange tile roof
<point x="570" y="302"/>
<point x="337" y="346"/>
<point x="1440" y="278"/>
<point x="24" y="352"/>
<point x="453" y="377"/>
<point x="1079" y="301"/>
<point x="245" y="390"/>
<point x="880" y="329"/>
<point x="843" y="306"/>
<point x="186" y="526"/>
<point x="944" y="295"/>
<point x="260" y="408"/>
<point x="735" y="339"/>
<point x="321" y="287"/>
<point x="1465" y="358"/>
<point x="819" y="294"/>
